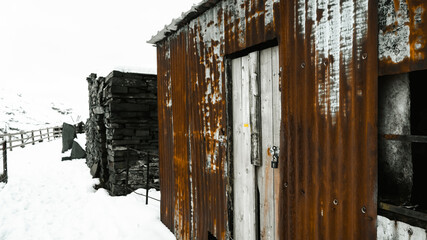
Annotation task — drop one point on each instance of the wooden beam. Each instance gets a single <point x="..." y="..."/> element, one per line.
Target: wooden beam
<point x="405" y="138"/>
<point x="403" y="214"/>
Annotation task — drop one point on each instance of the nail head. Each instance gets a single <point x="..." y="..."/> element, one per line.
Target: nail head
<point x="364" y="56"/>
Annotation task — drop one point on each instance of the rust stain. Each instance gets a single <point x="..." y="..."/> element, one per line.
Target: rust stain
<point x="396" y="5"/>
<point x="405" y="37"/>
<point x="418" y="41"/>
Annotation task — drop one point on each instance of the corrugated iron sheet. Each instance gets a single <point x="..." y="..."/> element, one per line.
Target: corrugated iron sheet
<point x="167" y="176"/>
<point x="192" y="112"/>
<point x="329" y="133"/>
<point x="402" y="36"/>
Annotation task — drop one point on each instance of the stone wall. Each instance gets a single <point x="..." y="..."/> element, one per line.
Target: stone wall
<point x="122" y="131"/>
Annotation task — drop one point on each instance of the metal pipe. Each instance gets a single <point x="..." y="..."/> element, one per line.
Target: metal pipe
<point x="147" y="185"/>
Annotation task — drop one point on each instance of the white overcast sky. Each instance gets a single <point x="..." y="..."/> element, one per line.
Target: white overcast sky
<point x="50" y="46"/>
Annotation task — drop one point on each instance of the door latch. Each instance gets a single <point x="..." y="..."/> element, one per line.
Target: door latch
<point x="274" y="151"/>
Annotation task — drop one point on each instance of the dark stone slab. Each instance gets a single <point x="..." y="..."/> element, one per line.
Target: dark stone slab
<point x="94" y="170"/>
<point x="77" y="152"/>
<point x="128" y="107"/>
<point x="68" y="135"/>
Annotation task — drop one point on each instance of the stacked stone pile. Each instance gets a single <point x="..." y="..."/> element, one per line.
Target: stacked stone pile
<point x="96" y="154"/>
<point x="127" y="105"/>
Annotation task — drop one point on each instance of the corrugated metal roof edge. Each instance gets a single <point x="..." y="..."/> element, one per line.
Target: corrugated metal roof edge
<point x="195" y="11"/>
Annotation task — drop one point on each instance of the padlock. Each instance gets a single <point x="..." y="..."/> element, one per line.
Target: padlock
<point x="275" y="160"/>
<point x="274" y="164"/>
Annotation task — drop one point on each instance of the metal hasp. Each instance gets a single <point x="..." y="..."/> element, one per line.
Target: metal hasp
<point x="274" y="151"/>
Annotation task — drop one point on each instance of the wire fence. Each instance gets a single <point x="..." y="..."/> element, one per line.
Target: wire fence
<point x="141" y="155"/>
<point x="3" y="162"/>
<point x="20" y="139"/>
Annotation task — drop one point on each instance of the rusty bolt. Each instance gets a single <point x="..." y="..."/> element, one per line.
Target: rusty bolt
<point x="286" y="184"/>
<point x="363" y="209"/>
<point x="325" y="62"/>
<point x="303" y="65"/>
<point x="335" y="202"/>
<point x="364" y="56"/>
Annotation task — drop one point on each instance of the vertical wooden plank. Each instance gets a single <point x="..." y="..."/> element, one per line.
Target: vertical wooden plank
<point x="254" y="106"/>
<point x="249" y="170"/>
<point x="265" y="172"/>
<point x="277" y="115"/>
<point x="244" y="172"/>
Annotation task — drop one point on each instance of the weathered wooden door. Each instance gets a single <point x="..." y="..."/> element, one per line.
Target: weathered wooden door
<point x="256" y="132"/>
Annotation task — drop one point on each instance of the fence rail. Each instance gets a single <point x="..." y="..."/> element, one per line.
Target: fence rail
<point x="20" y="139"/>
<point x="3" y="163"/>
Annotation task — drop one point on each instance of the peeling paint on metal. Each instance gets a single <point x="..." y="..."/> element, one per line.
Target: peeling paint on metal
<point x="269" y="15"/>
<point x="402" y="39"/>
<point x="328" y="45"/>
<point x="418" y="13"/>
<point x="361" y="28"/>
<point x="394" y="31"/>
<point x="241" y="15"/>
<point x="418" y="42"/>
<point x="347" y="28"/>
<point x="301" y="16"/>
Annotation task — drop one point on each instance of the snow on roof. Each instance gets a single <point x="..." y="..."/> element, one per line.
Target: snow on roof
<point x="195" y="11"/>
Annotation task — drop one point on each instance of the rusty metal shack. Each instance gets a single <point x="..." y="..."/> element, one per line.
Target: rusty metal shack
<point x="269" y="118"/>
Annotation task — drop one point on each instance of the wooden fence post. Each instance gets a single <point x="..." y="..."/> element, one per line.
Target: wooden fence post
<point x="48" y="137"/>
<point x="22" y="140"/>
<point x="41" y="136"/>
<point x="5" y="160"/>
<point x="32" y="136"/>
<point x="10" y="142"/>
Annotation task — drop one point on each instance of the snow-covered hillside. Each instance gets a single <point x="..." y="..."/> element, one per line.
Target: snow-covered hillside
<point x="24" y="112"/>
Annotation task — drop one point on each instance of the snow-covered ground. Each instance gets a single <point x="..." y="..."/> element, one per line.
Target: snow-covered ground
<point x="46" y="198"/>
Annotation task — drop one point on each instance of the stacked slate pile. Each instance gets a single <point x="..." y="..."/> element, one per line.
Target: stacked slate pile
<point x="125" y="104"/>
<point x="96" y="152"/>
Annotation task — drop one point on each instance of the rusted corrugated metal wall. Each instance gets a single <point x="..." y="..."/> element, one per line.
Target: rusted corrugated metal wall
<point x="193" y="114"/>
<point x="402" y="36"/>
<point x="329" y="132"/>
<point x="248" y="23"/>
<point x="328" y="162"/>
